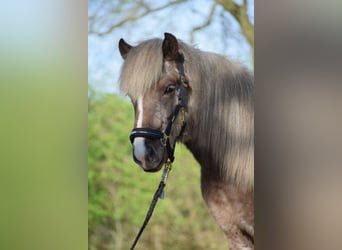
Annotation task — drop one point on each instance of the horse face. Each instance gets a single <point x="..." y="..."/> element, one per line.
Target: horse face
<point x="154" y="108"/>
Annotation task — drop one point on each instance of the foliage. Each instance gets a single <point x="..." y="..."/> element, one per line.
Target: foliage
<point x="119" y="193"/>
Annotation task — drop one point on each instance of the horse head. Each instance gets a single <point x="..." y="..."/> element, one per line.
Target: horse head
<point x="151" y="77"/>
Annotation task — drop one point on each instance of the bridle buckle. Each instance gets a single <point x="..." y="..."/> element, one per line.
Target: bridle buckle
<point x="164" y="139"/>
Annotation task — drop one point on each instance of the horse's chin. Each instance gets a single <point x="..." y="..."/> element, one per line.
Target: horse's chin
<point x="154" y="169"/>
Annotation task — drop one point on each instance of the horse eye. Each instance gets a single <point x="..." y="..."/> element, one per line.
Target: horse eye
<point x="169" y="89"/>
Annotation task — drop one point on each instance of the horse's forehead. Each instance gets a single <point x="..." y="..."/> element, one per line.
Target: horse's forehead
<point x="169" y="67"/>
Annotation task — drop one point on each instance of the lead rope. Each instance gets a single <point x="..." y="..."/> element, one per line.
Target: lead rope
<point x="160" y="190"/>
<point x="158" y="194"/>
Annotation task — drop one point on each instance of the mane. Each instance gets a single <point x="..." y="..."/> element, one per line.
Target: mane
<point x="223" y="109"/>
<point x="221" y="104"/>
<point x="142" y="68"/>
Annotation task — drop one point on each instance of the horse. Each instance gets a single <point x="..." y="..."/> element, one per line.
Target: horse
<point x="219" y="118"/>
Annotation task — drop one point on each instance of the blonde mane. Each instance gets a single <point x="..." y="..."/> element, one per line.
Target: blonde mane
<point x="142" y="68"/>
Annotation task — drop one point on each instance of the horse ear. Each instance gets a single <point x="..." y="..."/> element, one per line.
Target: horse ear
<point x="170" y="47"/>
<point x="124" y="48"/>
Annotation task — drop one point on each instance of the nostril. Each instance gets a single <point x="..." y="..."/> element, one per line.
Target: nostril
<point x="150" y="153"/>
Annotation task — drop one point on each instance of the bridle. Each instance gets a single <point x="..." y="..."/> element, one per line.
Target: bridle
<point x="183" y="85"/>
<point x="164" y="137"/>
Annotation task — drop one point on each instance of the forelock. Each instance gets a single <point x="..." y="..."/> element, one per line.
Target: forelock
<point x="142" y="68"/>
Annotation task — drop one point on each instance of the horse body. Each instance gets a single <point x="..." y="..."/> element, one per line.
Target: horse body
<point x="219" y="124"/>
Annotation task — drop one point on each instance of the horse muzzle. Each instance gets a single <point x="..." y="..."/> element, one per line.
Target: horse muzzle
<point x="149" y="154"/>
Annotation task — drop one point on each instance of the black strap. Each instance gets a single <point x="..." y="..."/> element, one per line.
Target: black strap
<point x="182" y="95"/>
<point x="181" y="64"/>
<point x="145" y="132"/>
<point x="172" y="120"/>
<point x="170" y="150"/>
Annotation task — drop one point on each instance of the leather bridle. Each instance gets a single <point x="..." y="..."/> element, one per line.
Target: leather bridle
<point x="164" y="136"/>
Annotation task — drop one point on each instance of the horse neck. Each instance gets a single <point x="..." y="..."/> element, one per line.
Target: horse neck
<point x="220" y="119"/>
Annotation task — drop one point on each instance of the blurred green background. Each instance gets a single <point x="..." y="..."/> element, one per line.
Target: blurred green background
<point x="43" y="125"/>
<point x="119" y="192"/>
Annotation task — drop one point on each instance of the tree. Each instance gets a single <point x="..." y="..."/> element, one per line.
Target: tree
<point x="105" y="16"/>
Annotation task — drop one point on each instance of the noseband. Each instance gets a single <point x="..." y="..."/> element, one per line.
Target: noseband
<point x="164" y="137"/>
